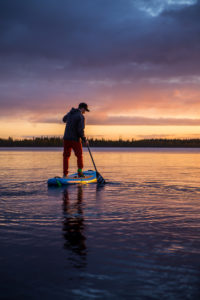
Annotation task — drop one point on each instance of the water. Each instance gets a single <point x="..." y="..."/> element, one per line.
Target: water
<point x="138" y="237"/>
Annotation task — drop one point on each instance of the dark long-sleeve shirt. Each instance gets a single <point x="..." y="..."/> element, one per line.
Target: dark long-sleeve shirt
<point x="75" y="124"/>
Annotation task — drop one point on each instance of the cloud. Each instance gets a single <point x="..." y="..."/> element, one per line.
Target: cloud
<point x="95" y="34"/>
<point x="156" y="7"/>
<point x="119" y="56"/>
<point x="98" y="119"/>
<point x="127" y="120"/>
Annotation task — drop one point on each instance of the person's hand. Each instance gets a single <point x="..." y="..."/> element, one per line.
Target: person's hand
<point x="86" y="143"/>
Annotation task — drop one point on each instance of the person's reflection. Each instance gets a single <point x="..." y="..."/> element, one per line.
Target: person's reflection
<point x="73" y="228"/>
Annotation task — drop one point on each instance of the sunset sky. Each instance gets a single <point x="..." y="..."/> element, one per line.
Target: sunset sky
<point x="135" y="62"/>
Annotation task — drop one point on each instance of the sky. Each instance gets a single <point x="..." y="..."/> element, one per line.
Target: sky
<point x="135" y="62"/>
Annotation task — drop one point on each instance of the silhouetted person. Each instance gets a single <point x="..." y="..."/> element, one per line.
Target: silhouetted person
<point x="74" y="136"/>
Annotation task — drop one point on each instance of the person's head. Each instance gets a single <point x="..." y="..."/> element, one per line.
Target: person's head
<point x="83" y="107"/>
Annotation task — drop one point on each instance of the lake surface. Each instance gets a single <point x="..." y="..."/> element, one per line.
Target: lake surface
<point x="137" y="237"/>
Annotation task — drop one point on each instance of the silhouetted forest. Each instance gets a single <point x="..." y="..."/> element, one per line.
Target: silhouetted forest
<point x="58" y="142"/>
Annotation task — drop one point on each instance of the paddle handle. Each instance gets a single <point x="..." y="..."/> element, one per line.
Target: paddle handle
<point x="92" y="158"/>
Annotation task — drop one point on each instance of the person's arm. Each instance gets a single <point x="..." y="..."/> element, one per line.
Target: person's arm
<point x="80" y="129"/>
<point x="65" y="118"/>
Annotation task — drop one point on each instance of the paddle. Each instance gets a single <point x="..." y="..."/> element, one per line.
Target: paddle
<point x="100" y="179"/>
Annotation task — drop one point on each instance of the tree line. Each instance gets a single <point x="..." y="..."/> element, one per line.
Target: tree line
<point x="58" y="142"/>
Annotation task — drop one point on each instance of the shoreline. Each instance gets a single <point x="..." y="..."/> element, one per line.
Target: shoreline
<point x="56" y="142"/>
<point x="107" y="149"/>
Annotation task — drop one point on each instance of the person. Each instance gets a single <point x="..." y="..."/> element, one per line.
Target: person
<point x="74" y="136"/>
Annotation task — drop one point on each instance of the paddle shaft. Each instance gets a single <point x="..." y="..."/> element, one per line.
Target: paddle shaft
<point x="92" y="158"/>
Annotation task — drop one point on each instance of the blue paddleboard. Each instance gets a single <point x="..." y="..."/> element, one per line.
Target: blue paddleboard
<point x="90" y="176"/>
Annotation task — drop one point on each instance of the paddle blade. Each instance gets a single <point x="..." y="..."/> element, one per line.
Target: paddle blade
<point x="100" y="179"/>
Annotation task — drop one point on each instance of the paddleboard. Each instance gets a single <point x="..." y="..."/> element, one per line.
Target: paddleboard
<point x="90" y="176"/>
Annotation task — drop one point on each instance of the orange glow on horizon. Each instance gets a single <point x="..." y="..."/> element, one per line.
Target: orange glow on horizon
<point x="116" y="132"/>
<point x="23" y="129"/>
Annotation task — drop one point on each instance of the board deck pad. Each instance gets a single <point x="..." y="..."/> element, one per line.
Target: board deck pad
<point x="90" y="177"/>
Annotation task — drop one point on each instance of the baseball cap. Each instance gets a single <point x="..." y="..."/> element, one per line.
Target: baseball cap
<point x="83" y="105"/>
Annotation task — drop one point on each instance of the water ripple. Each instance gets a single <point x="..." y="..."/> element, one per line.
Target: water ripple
<point x="137" y="237"/>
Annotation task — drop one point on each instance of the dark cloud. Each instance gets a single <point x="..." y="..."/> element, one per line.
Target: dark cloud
<point x="55" y="52"/>
<point x="61" y="29"/>
<point x="97" y="33"/>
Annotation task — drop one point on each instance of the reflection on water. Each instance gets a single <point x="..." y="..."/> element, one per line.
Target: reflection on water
<point x="73" y="228"/>
<point x="137" y="237"/>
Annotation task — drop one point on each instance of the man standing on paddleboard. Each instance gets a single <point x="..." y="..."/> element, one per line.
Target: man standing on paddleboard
<point x="74" y="136"/>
